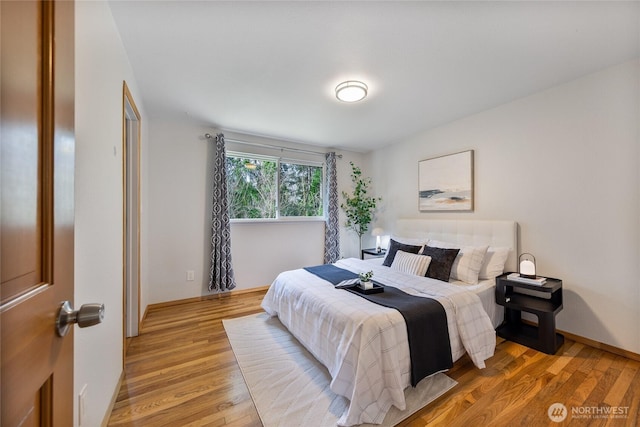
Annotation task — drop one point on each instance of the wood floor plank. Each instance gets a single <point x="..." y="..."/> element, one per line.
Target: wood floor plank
<point x="620" y="387"/>
<point x="630" y="403"/>
<point x="181" y="371"/>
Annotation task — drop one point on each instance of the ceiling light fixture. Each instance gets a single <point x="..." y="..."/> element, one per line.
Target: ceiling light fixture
<point x="351" y="91"/>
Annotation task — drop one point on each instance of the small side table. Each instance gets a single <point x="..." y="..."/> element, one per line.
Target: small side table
<point x="544" y="301"/>
<point x="373" y="253"/>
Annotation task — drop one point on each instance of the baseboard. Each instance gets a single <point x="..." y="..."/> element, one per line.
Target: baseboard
<point x="144" y="316"/>
<point x="601" y="346"/>
<point x="596" y="344"/>
<point x="205" y="297"/>
<point x="107" y="415"/>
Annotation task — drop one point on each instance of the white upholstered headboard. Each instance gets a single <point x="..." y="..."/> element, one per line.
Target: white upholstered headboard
<point x="465" y="232"/>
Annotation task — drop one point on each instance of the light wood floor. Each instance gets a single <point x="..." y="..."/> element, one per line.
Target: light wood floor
<point x="181" y="371"/>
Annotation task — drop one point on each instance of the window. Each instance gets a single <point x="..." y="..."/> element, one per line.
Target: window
<point x="261" y="187"/>
<point x="251" y="185"/>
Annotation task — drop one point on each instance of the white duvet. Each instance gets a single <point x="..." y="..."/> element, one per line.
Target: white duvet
<point x="363" y="345"/>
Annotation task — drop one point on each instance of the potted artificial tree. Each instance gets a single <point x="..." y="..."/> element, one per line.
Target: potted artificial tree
<point x="359" y="206"/>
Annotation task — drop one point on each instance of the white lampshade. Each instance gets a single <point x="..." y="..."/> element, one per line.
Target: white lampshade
<point x="351" y="91"/>
<point x="377" y="232"/>
<point x="527" y="266"/>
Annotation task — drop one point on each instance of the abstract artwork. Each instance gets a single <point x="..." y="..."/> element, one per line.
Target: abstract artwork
<point x="446" y="183"/>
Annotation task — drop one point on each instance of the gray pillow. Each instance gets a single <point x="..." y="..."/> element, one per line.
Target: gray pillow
<point x="441" y="262"/>
<point x="395" y="247"/>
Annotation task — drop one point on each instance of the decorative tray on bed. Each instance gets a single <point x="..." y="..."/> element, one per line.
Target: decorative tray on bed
<point x="377" y="288"/>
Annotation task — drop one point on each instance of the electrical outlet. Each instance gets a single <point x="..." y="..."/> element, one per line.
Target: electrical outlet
<point x="82" y="409"/>
<point x="190" y="275"/>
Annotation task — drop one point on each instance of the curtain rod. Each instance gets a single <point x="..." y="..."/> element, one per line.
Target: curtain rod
<point x="275" y="147"/>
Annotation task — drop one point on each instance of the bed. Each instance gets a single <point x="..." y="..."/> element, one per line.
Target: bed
<point x="363" y="345"/>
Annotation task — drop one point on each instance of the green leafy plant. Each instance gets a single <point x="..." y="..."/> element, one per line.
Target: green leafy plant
<point x="365" y="277"/>
<point x="359" y="206"/>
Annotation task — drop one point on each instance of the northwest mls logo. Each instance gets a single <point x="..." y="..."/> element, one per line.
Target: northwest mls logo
<point x="557" y="412"/>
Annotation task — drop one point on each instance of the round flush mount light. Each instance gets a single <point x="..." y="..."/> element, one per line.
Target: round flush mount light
<point x="351" y="91"/>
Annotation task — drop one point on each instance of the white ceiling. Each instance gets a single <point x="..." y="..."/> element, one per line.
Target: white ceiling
<point x="270" y="68"/>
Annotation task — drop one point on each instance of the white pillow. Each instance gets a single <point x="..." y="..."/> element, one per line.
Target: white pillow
<point x="467" y="264"/>
<point x="411" y="263"/>
<point x="494" y="261"/>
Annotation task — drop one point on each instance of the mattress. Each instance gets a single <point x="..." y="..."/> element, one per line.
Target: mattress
<point x="485" y="289"/>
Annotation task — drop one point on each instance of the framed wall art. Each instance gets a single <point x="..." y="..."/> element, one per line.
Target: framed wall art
<point x="446" y="183"/>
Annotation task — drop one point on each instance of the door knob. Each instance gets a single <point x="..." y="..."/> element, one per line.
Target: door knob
<point x="88" y="315"/>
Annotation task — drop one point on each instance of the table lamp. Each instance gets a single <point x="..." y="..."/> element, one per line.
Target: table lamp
<point x="377" y="232"/>
<point x="527" y="266"/>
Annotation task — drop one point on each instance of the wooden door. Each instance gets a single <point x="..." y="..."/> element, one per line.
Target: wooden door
<point x="37" y="172"/>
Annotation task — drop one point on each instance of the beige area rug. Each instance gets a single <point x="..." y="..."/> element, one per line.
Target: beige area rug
<point x="291" y="388"/>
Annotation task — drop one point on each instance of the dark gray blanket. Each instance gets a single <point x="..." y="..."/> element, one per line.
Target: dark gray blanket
<point x="335" y="275"/>
<point x="427" y="330"/>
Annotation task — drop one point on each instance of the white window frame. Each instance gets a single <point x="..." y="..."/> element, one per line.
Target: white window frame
<point x="278" y="160"/>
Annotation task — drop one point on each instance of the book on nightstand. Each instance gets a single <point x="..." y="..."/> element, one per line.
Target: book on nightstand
<point x="517" y="278"/>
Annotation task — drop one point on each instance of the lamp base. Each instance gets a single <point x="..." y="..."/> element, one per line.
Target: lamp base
<point x="528" y="276"/>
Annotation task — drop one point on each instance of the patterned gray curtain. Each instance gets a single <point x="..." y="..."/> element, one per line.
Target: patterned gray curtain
<point x="332" y="227"/>
<point x="221" y="274"/>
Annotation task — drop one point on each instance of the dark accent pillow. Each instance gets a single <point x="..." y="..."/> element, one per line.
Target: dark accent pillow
<point x="441" y="262"/>
<point x="395" y="247"/>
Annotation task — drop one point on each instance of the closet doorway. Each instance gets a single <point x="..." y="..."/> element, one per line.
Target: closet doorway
<point x="131" y="216"/>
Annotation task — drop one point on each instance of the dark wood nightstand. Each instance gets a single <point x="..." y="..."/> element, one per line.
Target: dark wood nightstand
<point x="373" y="253"/>
<point x="544" y="301"/>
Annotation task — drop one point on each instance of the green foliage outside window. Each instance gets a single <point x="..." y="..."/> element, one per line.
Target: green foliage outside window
<point x="300" y="190"/>
<point x="255" y="186"/>
<point x="251" y="185"/>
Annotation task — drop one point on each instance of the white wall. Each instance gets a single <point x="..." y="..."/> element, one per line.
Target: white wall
<point x="179" y="217"/>
<point x="564" y="164"/>
<point x="101" y="67"/>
